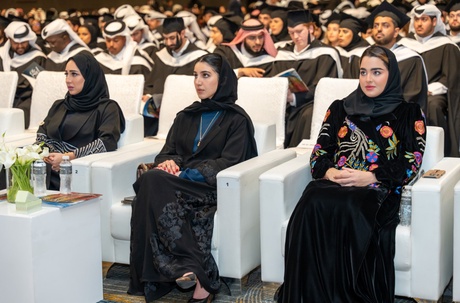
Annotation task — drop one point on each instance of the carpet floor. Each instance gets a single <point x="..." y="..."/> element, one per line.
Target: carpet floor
<point x="116" y="279"/>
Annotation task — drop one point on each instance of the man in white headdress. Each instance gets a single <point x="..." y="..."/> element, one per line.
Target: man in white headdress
<point x="154" y="21"/>
<point x="123" y="55"/>
<point x="63" y="42"/>
<point x="21" y="54"/>
<point x="192" y="29"/>
<point x="141" y="35"/>
<point x="440" y="54"/>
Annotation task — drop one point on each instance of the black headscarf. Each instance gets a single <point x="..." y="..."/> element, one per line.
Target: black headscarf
<point x="93" y="30"/>
<point x="283" y="34"/>
<point x="355" y="28"/>
<point x="95" y="89"/>
<point x="224" y="98"/>
<point x="357" y="103"/>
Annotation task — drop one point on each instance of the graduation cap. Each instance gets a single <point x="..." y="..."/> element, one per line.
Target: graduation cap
<point x="294" y="5"/>
<point x="385" y="9"/>
<point x="214" y="10"/>
<point x="90" y="19"/>
<point x="4" y="22"/>
<point x="267" y="9"/>
<point x="297" y="17"/>
<point x="173" y="24"/>
<point x="352" y="23"/>
<point x="279" y="12"/>
<point x="402" y="5"/>
<point x="333" y="18"/>
<point x="452" y="6"/>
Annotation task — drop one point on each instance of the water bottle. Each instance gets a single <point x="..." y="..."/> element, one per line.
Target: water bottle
<point x="405" y="209"/>
<point x="39" y="178"/>
<point x="65" y="174"/>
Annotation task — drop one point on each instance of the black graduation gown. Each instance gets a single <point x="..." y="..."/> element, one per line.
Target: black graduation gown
<point x="56" y="62"/>
<point x="440" y="54"/>
<point x="316" y="62"/>
<point x="350" y="59"/>
<point x="340" y="241"/>
<point x="23" y="95"/>
<point x="172" y="218"/>
<point x="413" y="76"/>
<point x="236" y="58"/>
<point x="164" y="65"/>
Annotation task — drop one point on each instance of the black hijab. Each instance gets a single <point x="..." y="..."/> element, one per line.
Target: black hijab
<point x="284" y="34"/>
<point x="94" y="34"/>
<point x="358" y="104"/>
<point x="224" y="98"/>
<point x="355" y="28"/>
<point x="95" y="90"/>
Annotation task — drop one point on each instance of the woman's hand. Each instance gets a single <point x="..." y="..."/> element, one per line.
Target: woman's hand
<point x="54" y="159"/>
<point x="169" y="166"/>
<point x="350" y="177"/>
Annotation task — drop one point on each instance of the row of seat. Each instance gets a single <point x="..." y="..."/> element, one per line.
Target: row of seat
<point x="256" y="198"/>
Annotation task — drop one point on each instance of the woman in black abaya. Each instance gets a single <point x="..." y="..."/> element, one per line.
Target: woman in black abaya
<point x="340" y="241"/>
<point x="85" y="122"/>
<point x="173" y="213"/>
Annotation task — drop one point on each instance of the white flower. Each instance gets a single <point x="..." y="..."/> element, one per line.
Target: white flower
<point x="22" y="155"/>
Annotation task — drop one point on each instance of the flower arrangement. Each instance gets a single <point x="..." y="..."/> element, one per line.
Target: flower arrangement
<point x="17" y="163"/>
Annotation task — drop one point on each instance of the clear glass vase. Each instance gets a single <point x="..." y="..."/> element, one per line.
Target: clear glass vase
<point x="17" y="178"/>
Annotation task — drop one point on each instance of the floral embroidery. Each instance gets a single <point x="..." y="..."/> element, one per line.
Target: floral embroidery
<point x="342" y="161"/>
<point x="372" y="157"/>
<point x="327" y="115"/>
<point x="352" y="125"/>
<point x="414" y="158"/>
<point x="373" y="166"/>
<point x="343" y="131"/>
<point x="316" y="147"/>
<point x="420" y="127"/>
<point x="386" y="131"/>
<point x="392" y="150"/>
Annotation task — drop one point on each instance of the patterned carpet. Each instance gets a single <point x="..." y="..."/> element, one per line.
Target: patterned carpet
<point x="253" y="291"/>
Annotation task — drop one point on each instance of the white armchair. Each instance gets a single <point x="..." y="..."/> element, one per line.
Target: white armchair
<point x="8" y="83"/>
<point x="456" y="281"/>
<point x="423" y="258"/>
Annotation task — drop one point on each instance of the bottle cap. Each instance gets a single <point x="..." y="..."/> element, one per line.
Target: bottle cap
<point x="65" y="158"/>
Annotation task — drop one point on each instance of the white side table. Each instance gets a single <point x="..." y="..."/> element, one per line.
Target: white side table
<point x="52" y="255"/>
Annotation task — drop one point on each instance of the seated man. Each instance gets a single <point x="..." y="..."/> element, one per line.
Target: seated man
<point x="252" y="52"/>
<point x="141" y="35"/>
<point x="63" y="42"/>
<point x="21" y="54"/>
<point x="123" y="55"/>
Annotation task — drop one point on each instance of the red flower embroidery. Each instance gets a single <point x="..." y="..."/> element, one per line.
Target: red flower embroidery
<point x="420" y="127"/>
<point x="372" y="167"/>
<point x="386" y="131"/>
<point x="327" y="115"/>
<point x="343" y="131"/>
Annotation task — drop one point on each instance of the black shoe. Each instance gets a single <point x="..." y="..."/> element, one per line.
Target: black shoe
<point x="185" y="282"/>
<point x="155" y="290"/>
<point x="208" y="299"/>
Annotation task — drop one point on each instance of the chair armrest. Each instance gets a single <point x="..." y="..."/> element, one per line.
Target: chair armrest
<point x="456" y="281"/>
<point x="11" y="121"/>
<point x="238" y="213"/>
<point x="432" y="231"/>
<point x="280" y="190"/>
<point x="113" y="177"/>
<point x="134" y="130"/>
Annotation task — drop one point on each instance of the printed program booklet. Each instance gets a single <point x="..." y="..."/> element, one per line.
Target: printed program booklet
<point x="296" y="84"/>
<point x="66" y="200"/>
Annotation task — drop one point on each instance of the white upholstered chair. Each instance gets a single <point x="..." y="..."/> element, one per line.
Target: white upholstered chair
<point x="456" y="279"/>
<point x="236" y="244"/>
<point x="8" y="84"/>
<point x="264" y="99"/>
<point x="327" y="90"/>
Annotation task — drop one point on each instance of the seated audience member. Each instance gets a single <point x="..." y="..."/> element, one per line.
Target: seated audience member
<point x="252" y="52"/>
<point x="350" y="44"/>
<point x="141" y="35"/>
<point x="340" y="241"/>
<point x="89" y="34"/>
<point x="21" y="54"/>
<point x="63" y="42"/>
<point x="332" y="30"/>
<point x="123" y="55"/>
<point x="85" y="122"/>
<point x="427" y="36"/>
<point x="154" y="21"/>
<point x="278" y="27"/>
<point x="176" y="58"/>
<point x="453" y="10"/>
<point x="312" y="60"/>
<point x="178" y="196"/>
<point x="387" y="20"/>
<point x="223" y="31"/>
